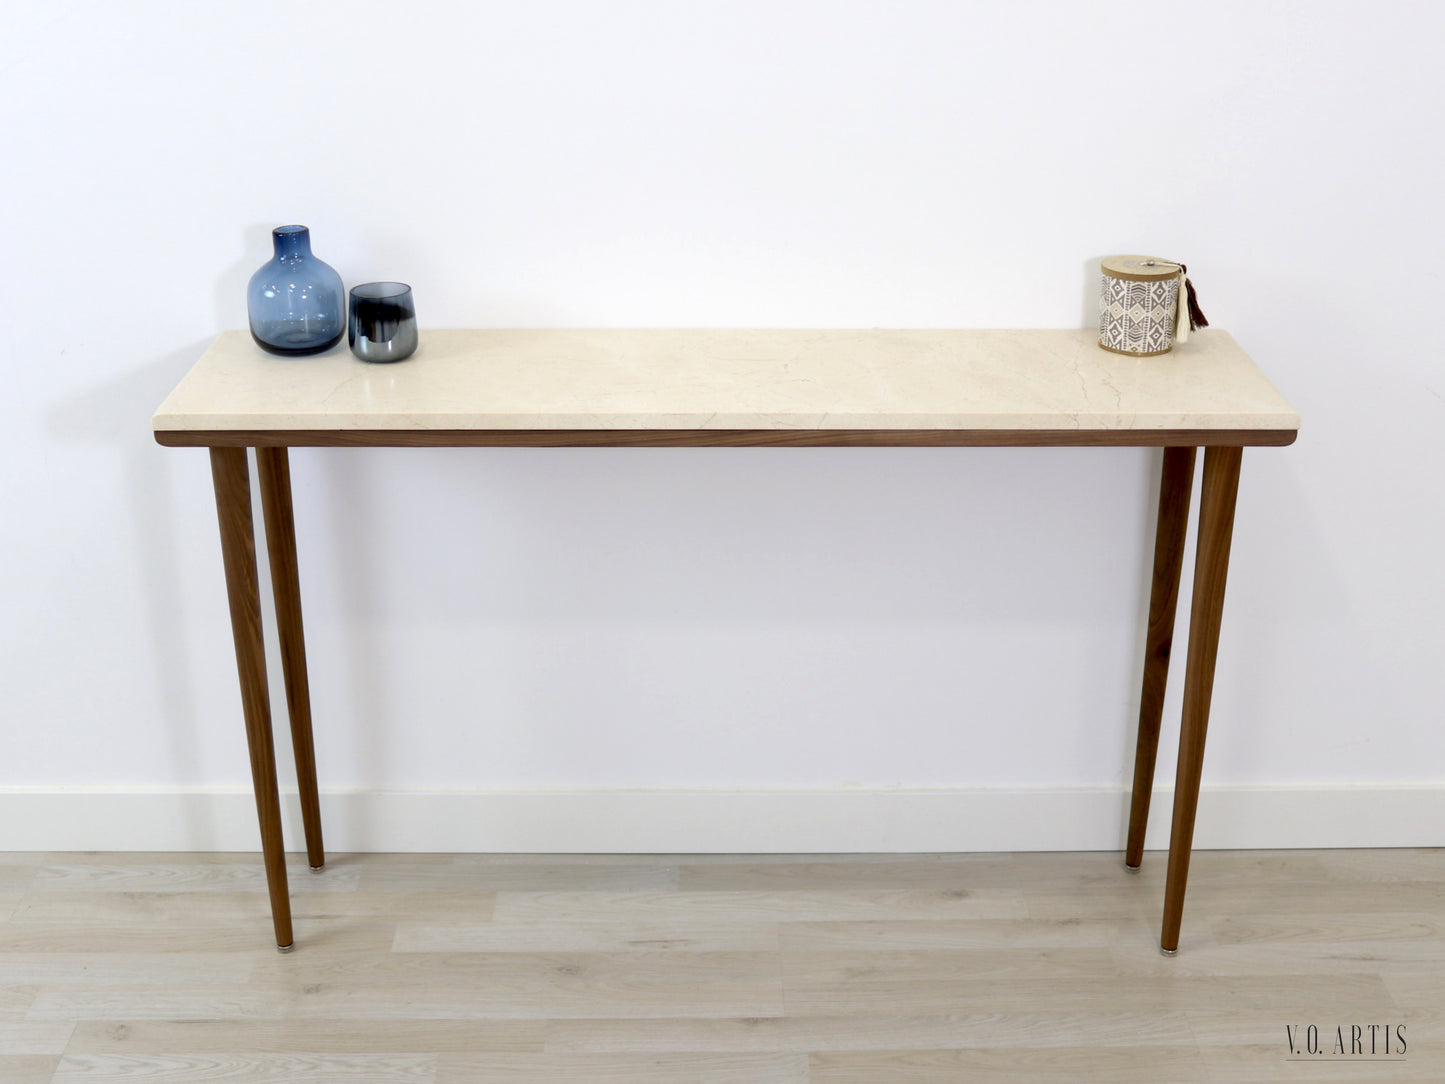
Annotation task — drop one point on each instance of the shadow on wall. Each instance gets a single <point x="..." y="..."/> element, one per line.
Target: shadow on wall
<point x="817" y="540"/>
<point x="782" y="535"/>
<point x="115" y="417"/>
<point x="1093" y="271"/>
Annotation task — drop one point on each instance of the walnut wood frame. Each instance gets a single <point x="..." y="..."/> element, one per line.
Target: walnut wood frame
<point x="274" y="469"/>
<point x="1223" y="454"/>
<point x="232" y="482"/>
<point x="1176" y="481"/>
<point x="723" y="438"/>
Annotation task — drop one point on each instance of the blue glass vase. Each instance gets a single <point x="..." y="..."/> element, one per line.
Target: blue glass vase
<point x="296" y="301"/>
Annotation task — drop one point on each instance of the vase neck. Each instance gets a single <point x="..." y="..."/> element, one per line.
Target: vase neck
<point x="292" y="242"/>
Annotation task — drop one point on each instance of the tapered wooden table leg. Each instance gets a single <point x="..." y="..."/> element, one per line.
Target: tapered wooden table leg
<point x="238" y="551"/>
<point x="274" y="469"/>
<point x="1169" y="540"/>
<point x="1211" y="564"/>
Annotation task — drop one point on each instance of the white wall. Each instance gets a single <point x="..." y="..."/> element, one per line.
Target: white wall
<point x="696" y="618"/>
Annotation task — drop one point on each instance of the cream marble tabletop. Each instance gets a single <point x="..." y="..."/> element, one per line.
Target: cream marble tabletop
<point x="732" y="380"/>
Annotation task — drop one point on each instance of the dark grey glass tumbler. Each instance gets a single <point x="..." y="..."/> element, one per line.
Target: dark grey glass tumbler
<point x="382" y="326"/>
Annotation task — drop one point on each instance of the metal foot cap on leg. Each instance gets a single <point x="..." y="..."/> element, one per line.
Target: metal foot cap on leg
<point x="286" y="948"/>
<point x="318" y="869"/>
<point x="1168" y="951"/>
<point x="1131" y="869"/>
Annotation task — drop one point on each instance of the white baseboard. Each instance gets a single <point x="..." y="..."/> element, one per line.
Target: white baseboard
<point x="642" y="820"/>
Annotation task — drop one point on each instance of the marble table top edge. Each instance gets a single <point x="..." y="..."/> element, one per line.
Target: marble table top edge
<point x="729" y="380"/>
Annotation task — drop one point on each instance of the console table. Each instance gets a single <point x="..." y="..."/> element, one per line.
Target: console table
<point x="793" y="388"/>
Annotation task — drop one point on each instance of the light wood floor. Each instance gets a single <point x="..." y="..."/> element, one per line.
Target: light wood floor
<point x="748" y="969"/>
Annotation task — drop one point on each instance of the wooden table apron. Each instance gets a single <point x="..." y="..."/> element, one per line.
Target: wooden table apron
<point x="1222" y="457"/>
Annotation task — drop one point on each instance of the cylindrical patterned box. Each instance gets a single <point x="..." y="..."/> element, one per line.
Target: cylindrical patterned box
<point x="1139" y="305"/>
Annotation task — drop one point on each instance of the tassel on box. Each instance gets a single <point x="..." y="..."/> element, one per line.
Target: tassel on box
<point x="1197" y="319"/>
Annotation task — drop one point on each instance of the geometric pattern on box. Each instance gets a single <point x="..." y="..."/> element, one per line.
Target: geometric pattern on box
<point x="1138" y="317"/>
